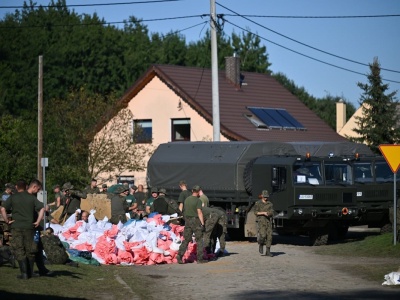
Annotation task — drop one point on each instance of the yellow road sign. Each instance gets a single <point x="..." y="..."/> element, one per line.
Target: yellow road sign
<point x="392" y="155"/>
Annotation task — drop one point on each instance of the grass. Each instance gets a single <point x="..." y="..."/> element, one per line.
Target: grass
<point x="379" y="246"/>
<point x="84" y="282"/>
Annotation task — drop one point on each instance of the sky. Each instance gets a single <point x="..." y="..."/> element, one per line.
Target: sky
<point x="326" y="56"/>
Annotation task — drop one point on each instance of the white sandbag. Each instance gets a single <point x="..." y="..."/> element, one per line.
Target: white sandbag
<point x="392" y="279"/>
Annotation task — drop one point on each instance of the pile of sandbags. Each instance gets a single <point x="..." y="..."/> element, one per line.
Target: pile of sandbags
<point x="137" y="242"/>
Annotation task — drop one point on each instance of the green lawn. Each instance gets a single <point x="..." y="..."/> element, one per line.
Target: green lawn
<point x="378" y="246"/>
<point x="84" y="282"/>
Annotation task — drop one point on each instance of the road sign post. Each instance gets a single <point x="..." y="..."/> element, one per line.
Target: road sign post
<point x="392" y="157"/>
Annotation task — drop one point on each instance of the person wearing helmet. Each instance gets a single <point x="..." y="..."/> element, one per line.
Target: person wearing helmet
<point x="264" y="211"/>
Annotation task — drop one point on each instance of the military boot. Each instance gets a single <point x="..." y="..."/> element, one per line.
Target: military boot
<point x="30" y="265"/>
<point x="261" y="249"/>
<point x="268" y="252"/>
<point x="179" y="259"/>
<point x="23" y="268"/>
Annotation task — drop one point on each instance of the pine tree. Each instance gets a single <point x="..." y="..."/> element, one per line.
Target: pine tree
<point x="379" y="122"/>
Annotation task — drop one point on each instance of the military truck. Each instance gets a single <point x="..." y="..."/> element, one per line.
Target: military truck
<point x="312" y="185"/>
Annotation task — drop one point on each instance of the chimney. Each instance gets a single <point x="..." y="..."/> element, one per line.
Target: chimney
<point x="340" y="115"/>
<point x="232" y="69"/>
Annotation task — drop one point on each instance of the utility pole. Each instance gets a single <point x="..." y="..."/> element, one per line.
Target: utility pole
<point x="40" y="120"/>
<point x="214" y="73"/>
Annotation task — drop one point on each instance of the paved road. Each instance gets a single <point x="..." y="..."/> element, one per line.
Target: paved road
<point x="294" y="272"/>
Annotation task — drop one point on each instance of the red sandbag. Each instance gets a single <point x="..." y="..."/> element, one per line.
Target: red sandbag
<point x="125" y="257"/>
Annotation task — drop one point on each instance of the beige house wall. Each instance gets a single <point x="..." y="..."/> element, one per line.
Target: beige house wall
<point x="347" y="130"/>
<point x="156" y="101"/>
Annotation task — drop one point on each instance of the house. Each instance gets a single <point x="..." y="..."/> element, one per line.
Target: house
<point x="174" y="103"/>
<point x="346" y="128"/>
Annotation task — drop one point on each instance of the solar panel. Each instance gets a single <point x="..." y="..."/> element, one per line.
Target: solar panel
<point x="290" y="119"/>
<point x="264" y="117"/>
<point x="276" y="118"/>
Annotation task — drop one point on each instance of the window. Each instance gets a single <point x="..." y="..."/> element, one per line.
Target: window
<point x="142" y="131"/>
<point x="338" y="173"/>
<point x="276" y="118"/>
<point x="307" y="173"/>
<point x="383" y="172"/>
<point x="363" y="172"/>
<point x="180" y="130"/>
<point x="278" y="176"/>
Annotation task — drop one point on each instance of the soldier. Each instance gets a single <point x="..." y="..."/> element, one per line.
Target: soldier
<point x="211" y="216"/>
<point x="194" y="223"/>
<point x="204" y="199"/>
<point x="160" y="204"/>
<point x="219" y="232"/>
<point x="54" y="249"/>
<point x="150" y="201"/>
<point x="104" y="189"/>
<point x="7" y="193"/>
<point x="92" y="188"/>
<point x="119" y="206"/>
<point x="72" y="200"/>
<point x="264" y="211"/>
<point x="184" y="194"/>
<point x="23" y="206"/>
<point x="139" y="194"/>
<point x="57" y="198"/>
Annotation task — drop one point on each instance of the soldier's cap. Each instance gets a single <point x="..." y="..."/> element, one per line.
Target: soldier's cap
<point x="154" y="190"/>
<point x="162" y="190"/>
<point x="265" y="194"/>
<point x="9" y="186"/>
<point x="56" y="186"/>
<point x="134" y="187"/>
<point x="104" y="186"/>
<point x="182" y="182"/>
<point x="196" y="188"/>
<point x="94" y="179"/>
<point x="120" y="189"/>
<point x="67" y="186"/>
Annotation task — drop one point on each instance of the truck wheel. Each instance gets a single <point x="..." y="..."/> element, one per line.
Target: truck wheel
<point x="342" y="232"/>
<point x="387" y="228"/>
<point x="318" y="239"/>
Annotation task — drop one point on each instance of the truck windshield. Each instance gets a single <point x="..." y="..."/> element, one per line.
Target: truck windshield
<point x="363" y="172"/>
<point x="307" y="173"/>
<point x="383" y="172"/>
<point x="338" y="173"/>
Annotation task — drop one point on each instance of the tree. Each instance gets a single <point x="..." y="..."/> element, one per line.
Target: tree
<point x="379" y="123"/>
<point x="113" y="149"/>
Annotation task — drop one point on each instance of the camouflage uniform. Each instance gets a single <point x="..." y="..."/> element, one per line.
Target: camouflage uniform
<point x="212" y="218"/>
<point x="72" y="200"/>
<point x="119" y="206"/>
<point x="264" y="223"/>
<point x="220" y="230"/>
<point x="55" y="251"/>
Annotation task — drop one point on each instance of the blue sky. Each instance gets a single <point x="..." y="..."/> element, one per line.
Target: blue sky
<point x="355" y="39"/>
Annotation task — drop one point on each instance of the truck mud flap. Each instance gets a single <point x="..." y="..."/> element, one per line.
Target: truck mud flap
<point x="250" y="226"/>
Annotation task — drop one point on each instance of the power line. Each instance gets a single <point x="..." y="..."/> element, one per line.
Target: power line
<point x="98" y="23"/>
<point x="95" y="4"/>
<point x="301" y="43"/>
<point x="314" y="17"/>
<point x="299" y="53"/>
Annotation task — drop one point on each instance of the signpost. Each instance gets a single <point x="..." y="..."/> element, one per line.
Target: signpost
<point x="45" y="163"/>
<point x="392" y="157"/>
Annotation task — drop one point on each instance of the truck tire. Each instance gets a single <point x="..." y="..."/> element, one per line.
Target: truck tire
<point x="318" y="238"/>
<point x="386" y="228"/>
<point x="247" y="176"/>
